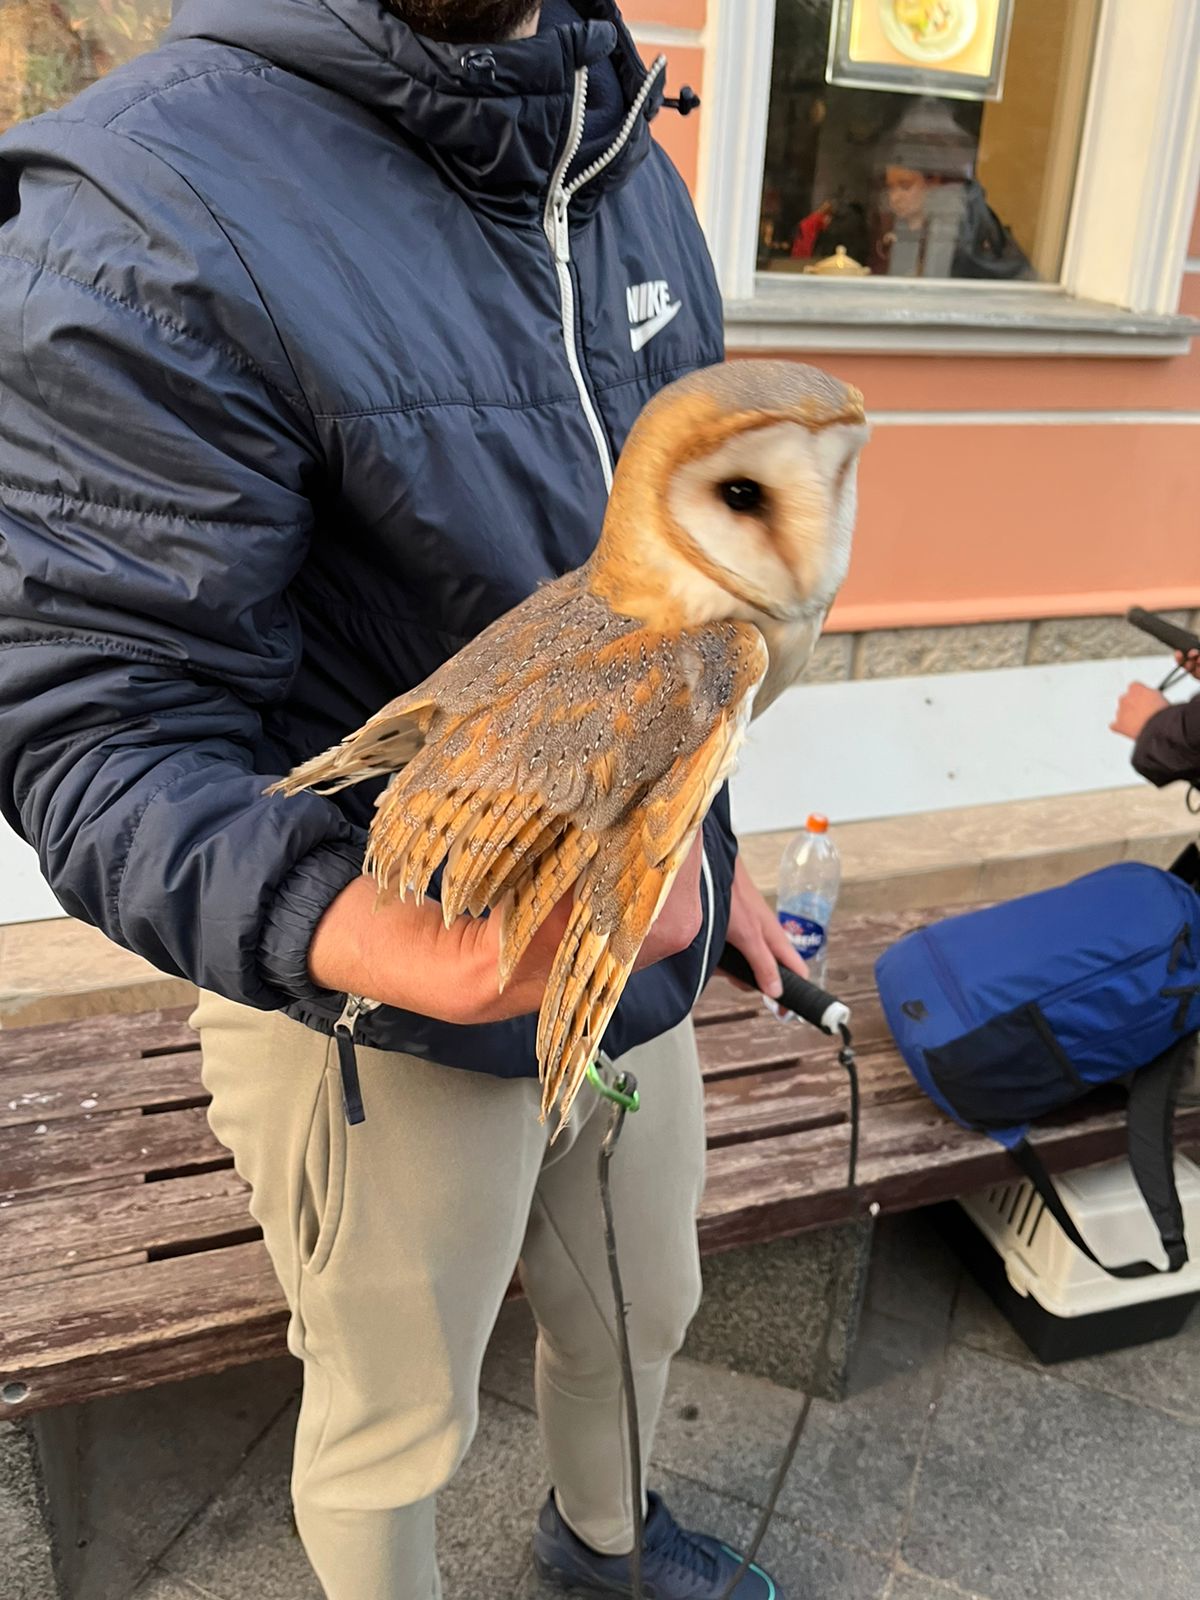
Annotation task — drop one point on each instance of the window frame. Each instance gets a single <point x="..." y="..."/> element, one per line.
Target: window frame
<point x="1115" y="296"/>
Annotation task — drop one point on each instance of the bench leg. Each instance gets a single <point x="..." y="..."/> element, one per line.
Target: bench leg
<point x="37" y="1472"/>
<point x="764" y="1308"/>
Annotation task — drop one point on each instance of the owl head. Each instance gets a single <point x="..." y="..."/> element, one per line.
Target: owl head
<point x="735" y="496"/>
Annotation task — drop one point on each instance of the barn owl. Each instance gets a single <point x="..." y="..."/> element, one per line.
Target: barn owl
<point x="575" y="746"/>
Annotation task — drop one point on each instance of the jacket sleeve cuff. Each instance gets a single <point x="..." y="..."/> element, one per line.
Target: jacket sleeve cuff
<point x="299" y="904"/>
<point x="1161" y="754"/>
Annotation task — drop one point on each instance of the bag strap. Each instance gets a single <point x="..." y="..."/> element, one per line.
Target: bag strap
<point x="1151" y="1118"/>
<point x="1151" y="1127"/>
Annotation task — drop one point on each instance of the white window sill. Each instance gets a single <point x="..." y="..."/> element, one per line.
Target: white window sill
<point x="807" y="313"/>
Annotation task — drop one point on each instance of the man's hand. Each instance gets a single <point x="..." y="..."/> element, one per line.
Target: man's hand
<point x="1135" y="708"/>
<point x="405" y="956"/>
<point x="1190" y="662"/>
<point x="754" y="929"/>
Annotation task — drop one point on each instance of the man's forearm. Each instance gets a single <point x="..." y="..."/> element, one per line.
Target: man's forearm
<point x="404" y="955"/>
<point x="399" y="953"/>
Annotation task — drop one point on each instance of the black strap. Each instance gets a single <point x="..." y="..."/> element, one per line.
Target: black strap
<point x="348" y="1062"/>
<point x="1186" y="865"/>
<point x="1031" y="1165"/>
<point x="1152" y="1098"/>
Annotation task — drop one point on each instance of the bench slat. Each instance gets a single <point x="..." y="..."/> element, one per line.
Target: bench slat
<point x="139" y="1325"/>
<point x="65" y="1230"/>
<point x="123" y="1143"/>
<point x="112" y="1037"/>
<point x="71" y="1089"/>
<point x="774" y="1188"/>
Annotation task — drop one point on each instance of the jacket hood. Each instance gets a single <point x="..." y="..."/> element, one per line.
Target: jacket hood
<point x="494" y="117"/>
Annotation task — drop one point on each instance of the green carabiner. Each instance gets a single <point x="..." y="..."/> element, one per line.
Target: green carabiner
<point x="613" y="1091"/>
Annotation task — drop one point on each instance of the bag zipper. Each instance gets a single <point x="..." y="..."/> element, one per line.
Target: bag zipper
<point x="356" y="1007"/>
<point x="949" y="979"/>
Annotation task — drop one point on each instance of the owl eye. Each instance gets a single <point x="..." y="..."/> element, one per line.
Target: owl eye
<point x="742" y="494"/>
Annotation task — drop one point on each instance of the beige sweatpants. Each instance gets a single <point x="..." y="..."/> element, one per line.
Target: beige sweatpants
<point x="394" y="1242"/>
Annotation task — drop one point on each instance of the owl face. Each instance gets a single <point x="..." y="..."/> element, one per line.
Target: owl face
<point x="766" y="517"/>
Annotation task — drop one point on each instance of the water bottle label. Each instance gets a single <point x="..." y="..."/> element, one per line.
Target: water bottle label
<point x="808" y="937"/>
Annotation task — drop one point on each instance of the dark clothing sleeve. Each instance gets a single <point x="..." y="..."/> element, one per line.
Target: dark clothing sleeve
<point x="1169" y="745"/>
<point x="153" y="512"/>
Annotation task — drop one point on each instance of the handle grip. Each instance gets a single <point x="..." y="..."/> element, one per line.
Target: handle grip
<point x="809" y="1001"/>
<point x="1168" y="633"/>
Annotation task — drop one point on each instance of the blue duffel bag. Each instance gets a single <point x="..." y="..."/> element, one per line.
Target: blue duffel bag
<point x="1011" y="1012"/>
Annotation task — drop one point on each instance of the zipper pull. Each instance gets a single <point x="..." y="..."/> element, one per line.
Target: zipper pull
<point x="343" y="1032"/>
<point x="562" y="233"/>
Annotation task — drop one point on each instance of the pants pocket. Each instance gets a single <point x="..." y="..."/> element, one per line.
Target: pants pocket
<point x="1007" y="1072"/>
<point x="322" y="1176"/>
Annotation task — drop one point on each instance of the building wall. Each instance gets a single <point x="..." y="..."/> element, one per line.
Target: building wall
<point x="1000" y="490"/>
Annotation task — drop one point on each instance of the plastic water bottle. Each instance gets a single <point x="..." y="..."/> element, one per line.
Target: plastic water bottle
<point x="810" y="876"/>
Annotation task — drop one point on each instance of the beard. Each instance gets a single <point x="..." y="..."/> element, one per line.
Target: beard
<point x="465" y="21"/>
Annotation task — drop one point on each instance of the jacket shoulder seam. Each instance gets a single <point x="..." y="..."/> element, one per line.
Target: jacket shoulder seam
<point x="255" y="67"/>
<point x="60" y="496"/>
<point x="129" y="650"/>
<point x="231" y="353"/>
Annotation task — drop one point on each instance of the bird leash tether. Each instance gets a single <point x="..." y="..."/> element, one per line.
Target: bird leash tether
<point x="620" y="1091"/>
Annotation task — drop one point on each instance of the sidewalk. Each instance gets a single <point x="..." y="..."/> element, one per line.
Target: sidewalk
<point x="956" y="1468"/>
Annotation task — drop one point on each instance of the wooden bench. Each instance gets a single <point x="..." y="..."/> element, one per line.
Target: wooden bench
<point x="128" y="1257"/>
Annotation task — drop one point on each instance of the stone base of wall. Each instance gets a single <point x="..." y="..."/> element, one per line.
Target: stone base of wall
<point x="978" y="647"/>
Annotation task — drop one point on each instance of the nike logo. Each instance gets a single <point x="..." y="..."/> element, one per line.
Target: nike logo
<point x="650" y="310"/>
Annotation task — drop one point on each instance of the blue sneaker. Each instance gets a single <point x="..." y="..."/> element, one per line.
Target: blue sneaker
<point x="676" y="1564"/>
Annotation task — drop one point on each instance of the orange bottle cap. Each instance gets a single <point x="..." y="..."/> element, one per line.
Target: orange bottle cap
<point x="817" y="823"/>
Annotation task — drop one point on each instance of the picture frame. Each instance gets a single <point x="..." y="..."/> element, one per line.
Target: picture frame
<point x="872" y="45"/>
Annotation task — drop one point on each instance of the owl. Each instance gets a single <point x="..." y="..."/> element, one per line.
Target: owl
<point x="574" y="747"/>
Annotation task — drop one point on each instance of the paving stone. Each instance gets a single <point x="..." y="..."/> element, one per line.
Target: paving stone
<point x="486" y="1517"/>
<point x="804" y="1566"/>
<point x="1037" y="1489"/>
<point x="978" y="1324"/>
<point x="1165" y="1375"/>
<point x="764" y="1308"/>
<point x="914" y="1274"/>
<point x="913" y="652"/>
<point x="831" y="660"/>
<point x="1092" y="638"/>
<point x="162" y="1586"/>
<point x="853" y="1472"/>
<point x="149" y="1461"/>
<point x="245" y="1542"/>
<point x="910" y="1586"/>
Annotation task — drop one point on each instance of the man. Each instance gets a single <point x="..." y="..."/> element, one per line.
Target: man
<point x="1166" y="737"/>
<point x="319" y="330"/>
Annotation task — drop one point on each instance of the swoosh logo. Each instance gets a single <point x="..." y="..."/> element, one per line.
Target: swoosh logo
<point x="641" y="336"/>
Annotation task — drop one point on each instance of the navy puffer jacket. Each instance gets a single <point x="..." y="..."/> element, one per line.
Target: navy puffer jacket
<point x="309" y="369"/>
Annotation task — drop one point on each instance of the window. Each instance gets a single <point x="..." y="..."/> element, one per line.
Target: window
<point x="918" y="184"/>
<point x="51" y="49"/>
<point x="860" y="191"/>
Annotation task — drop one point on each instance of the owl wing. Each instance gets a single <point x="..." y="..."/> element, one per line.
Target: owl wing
<point x="492" y="668"/>
<point x="566" y="747"/>
<point x="629" y="874"/>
